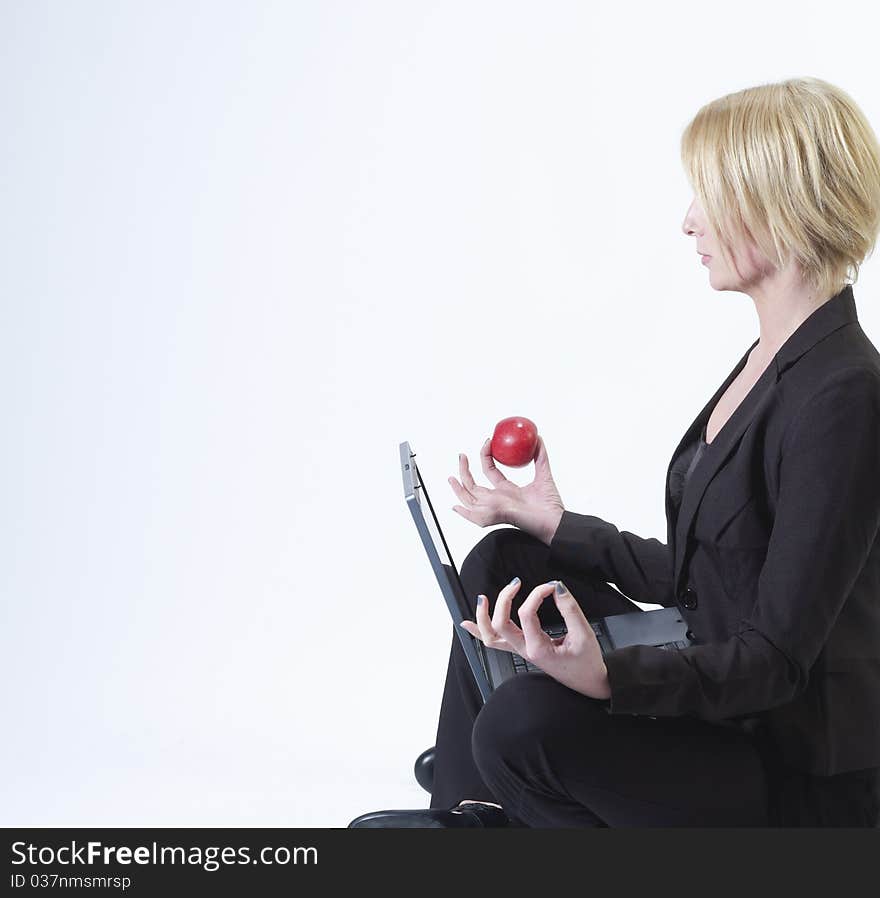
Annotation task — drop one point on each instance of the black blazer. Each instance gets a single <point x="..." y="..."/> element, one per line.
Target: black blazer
<point x="773" y="558"/>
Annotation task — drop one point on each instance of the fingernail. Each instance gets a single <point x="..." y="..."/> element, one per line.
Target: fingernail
<point x="479" y="600"/>
<point x="514" y="581"/>
<point x="561" y="589"/>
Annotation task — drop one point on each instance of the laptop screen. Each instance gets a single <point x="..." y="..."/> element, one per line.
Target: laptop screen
<point x="445" y="571"/>
<point x="436" y="535"/>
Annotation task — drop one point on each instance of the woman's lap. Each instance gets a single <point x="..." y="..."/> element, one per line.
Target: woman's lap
<point x="559" y="756"/>
<point x="551" y="752"/>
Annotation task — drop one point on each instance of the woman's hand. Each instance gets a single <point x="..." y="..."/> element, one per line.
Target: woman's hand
<point x="575" y="659"/>
<point x="535" y="508"/>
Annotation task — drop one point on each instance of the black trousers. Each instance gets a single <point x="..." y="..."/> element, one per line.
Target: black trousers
<point x="555" y="758"/>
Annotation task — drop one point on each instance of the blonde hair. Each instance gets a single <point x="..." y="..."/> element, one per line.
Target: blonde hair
<point x="793" y="166"/>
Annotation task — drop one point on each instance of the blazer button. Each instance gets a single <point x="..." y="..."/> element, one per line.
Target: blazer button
<point x="689" y="599"/>
<point x="690" y="635"/>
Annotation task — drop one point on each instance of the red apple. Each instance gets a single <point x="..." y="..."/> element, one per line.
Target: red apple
<point x="515" y="442"/>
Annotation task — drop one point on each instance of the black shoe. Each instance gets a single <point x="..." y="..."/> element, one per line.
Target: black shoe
<point x="424" y="769"/>
<point x="476" y="815"/>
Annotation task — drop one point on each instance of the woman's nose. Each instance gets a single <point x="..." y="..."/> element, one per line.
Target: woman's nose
<point x="690" y="225"/>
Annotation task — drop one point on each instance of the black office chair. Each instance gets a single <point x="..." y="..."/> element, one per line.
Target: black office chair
<point x="424" y="769"/>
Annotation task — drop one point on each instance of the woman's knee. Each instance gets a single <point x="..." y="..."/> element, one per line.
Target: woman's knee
<point x="526" y="715"/>
<point x="497" y="547"/>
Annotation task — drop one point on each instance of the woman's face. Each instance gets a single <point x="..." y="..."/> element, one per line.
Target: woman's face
<point x="750" y="266"/>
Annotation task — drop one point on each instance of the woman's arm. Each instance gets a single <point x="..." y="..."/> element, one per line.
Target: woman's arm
<point x="826" y="523"/>
<point x="640" y="567"/>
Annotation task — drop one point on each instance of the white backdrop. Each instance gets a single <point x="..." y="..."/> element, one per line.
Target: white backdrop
<point x="248" y="248"/>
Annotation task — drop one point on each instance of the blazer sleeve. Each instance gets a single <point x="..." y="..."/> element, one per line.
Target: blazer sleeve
<point x="640" y="567"/>
<point x="826" y="521"/>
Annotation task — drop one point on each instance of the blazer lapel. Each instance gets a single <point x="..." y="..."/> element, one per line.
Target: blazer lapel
<point x="714" y="456"/>
<point x="672" y="510"/>
<point x="836" y="312"/>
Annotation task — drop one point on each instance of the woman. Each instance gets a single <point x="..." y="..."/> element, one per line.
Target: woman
<point x="772" y="715"/>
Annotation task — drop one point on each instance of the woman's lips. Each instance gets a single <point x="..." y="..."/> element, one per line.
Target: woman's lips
<point x="705" y="259"/>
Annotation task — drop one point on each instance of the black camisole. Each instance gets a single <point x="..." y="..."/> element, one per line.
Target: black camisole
<point x="684" y="466"/>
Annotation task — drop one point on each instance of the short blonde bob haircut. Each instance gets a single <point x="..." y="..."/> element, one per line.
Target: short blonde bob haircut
<point x="793" y="167"/>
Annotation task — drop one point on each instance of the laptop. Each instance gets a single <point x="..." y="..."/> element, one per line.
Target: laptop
<point x="663" y="628"/>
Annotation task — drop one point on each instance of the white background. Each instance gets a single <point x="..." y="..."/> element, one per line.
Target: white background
<point x="247" y="249"/>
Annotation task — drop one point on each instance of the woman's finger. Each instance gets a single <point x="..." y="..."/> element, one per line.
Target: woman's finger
<point x="487" y="632"/>
<point x="501" y="620"/>
<point x="464" y="471"/>
<point x="495" y="477"/>
<point x="464" y="495"/>
<point x="474" y="630"/>
<point x="542" y="462"/>
<point x="536" y="640"/>
<point x="465" y="513"/>
<point x="575" y="621"/>
<point x="504" y="603"/>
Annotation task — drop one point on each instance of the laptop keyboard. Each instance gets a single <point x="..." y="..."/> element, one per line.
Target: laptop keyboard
<point x="522" y="665"/>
